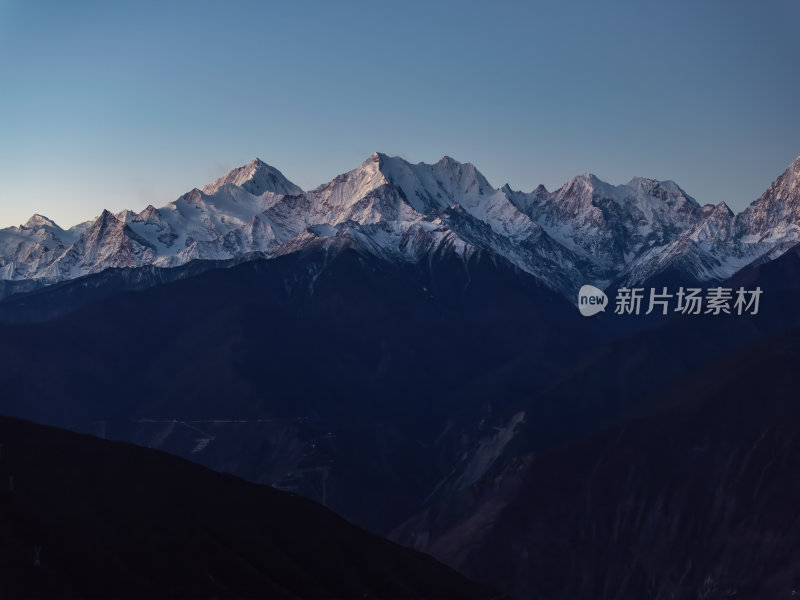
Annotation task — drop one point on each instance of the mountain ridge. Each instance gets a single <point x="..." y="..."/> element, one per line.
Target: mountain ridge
<point x="113" y="520"/>
<point x="585" y="231"/>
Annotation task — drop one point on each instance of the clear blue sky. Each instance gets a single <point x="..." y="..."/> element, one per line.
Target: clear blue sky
<point x="117" y="105"/>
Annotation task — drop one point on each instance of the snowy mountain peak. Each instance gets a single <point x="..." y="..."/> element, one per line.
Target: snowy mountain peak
<point x="256" y="177"/>
<point x="645" y="186"/>
<point x="38" y="220"/>
<point x="778" y="208"/>
<point x="723" y="209"/>
<point x="107" y="216"/>
<point x="149" y="215"/>
<point x="790" y="178"/>
<point x="793" y="174"/>
<point x="193" y="196"/>
<point x="465" y="172"/>
<point x="589" y="179"/>
<point x="107" y="221"/>
<point x="667" y="192"/>
<point x="585" y="181"/>
<point x="586" y="230"/>
<point x="581" y="189"/>
<point x="647" y="182"/>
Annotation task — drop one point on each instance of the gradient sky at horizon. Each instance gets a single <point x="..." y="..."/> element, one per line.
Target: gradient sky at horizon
<point x="119" y="105"/>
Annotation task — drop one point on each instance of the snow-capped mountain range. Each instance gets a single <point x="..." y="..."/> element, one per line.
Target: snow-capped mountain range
<point x="586" y="231"/>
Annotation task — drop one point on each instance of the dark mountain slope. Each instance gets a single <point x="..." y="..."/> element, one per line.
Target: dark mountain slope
<point x="627" y="378"/>
<point x="117" y="521"/>
<point x="383" y="390"/>
<point x="655" y="463"/>
<point x="26" y="302"/>
<point x="333" y="374"/>
<point x="699" y="501"/>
